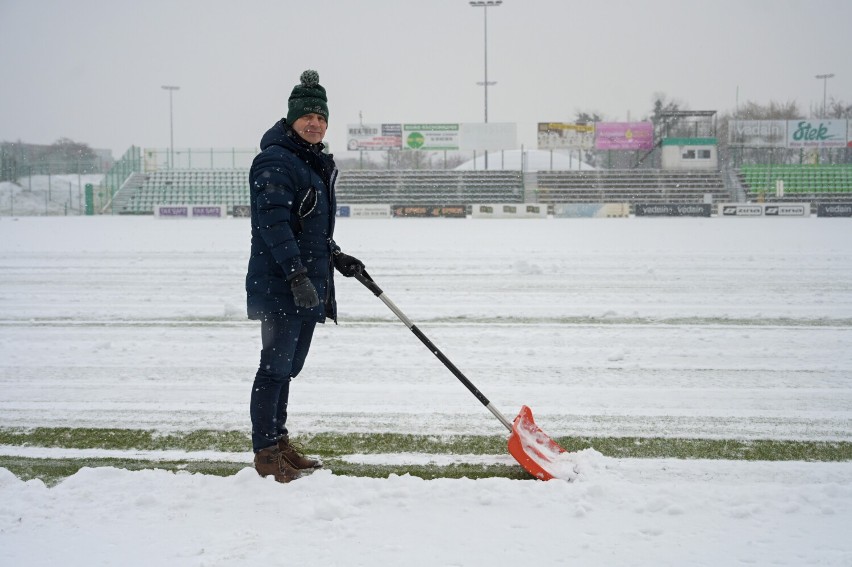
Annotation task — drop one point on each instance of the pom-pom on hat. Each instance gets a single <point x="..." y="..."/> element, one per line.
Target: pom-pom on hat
<point x="307" y="97"/>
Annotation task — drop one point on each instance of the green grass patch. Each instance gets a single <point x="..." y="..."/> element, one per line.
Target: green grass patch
<point x="141" y="440"/>
<point x="715" y="449"/>
<point x="325" y="444"/>
<point x="336" y="444"/>
<point x="53" y="471"/>
<point x="332" y="446"/>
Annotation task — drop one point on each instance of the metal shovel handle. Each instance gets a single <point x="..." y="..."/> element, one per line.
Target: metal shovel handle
<point x="363" y="277"/>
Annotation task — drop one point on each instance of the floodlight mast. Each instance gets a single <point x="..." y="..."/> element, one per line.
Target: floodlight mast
<point x="485" y="4"/>
<point x="171" y="90"/>
<point x="825" y="79"/>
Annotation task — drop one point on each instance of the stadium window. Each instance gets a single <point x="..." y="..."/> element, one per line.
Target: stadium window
<point x="688" y="154"/>
<point x="703" y="154"/>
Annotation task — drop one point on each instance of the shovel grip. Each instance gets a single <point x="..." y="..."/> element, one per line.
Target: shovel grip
<point x="363" y="277"/>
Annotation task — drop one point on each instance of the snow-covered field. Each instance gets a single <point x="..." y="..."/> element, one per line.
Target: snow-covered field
<point x="710" y="328"/>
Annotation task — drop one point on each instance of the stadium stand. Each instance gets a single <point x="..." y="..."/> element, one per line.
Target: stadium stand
<point x="435" y="187"/>
<point x="127" y="189"/>
<point x="196" y="186"/>
<point x="814" y="183"/>
<point x="631" y="186"/>
<point x="403" y="187"/>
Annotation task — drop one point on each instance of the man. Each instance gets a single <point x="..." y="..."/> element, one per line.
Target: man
<point x="290" y="285"/>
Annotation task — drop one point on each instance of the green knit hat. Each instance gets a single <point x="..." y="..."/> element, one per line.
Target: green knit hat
<point x="307" y="97"/>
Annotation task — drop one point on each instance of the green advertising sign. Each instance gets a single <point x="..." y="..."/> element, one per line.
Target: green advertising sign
<point x="430" y="136"/>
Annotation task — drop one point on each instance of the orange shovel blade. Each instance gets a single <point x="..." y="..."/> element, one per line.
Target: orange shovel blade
<point x="540" y="455"/>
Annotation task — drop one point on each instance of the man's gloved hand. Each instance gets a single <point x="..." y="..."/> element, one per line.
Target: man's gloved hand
<point x="304" y="292"/>
<point x="347" y="265"/>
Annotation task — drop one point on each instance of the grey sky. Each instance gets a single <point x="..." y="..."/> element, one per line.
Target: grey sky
<point x="93" y="70"/>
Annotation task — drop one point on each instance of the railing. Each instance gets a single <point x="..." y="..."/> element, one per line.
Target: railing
<point x="130" y="162"/>
<point x="155" y="159"/>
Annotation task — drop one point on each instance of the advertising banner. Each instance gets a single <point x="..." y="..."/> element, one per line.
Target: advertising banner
<point x="373" y="137"/>
<point x="208" y="211"/>
<point x="513" y="211"/>
<point x="590" y="210"/>
<point x="450" y="211"/>
<point x="834" y="210"/>
<point x="674" y="210"/>
<point x="765" y="210"/>
<point x="559" y="135"/>
<point x="816" y="133"/>
<point x="624" y="135"/>
<point x="430" y="136"/>
<point x="189" y="211"/>
<point x="241" y="211"/>
<point x="377" y="211"/>
<point x="787" y="210"/>
<point x="171" y="211"/>
<point x="758" y="133"/>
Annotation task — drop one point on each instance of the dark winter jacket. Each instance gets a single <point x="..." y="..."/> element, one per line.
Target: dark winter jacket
<point x="292" y="225"/>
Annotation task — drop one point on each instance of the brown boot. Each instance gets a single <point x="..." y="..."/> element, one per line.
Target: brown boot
<point x="270" y="461"/>
<point x="292" y="453"/>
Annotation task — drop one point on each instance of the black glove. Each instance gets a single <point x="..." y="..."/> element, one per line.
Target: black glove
<point x="304" y="292"/>
<point x="347" y="265"/>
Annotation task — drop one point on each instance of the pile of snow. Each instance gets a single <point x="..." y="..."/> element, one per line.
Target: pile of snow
<point x="622" y="512"/>
<point x="46" y="194"/>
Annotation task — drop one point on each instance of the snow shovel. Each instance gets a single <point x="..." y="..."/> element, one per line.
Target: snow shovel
<point x="540" y="455"/>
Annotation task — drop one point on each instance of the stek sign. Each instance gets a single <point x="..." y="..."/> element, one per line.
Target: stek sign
<point x="816" y="133"/>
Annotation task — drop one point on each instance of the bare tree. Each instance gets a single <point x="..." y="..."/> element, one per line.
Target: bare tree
<point x="839" y="109"/>
<point x="773" y="111"/>
<point x="68" y="150"/>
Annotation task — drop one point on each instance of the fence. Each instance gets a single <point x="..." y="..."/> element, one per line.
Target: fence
<point x="197" y="158"/>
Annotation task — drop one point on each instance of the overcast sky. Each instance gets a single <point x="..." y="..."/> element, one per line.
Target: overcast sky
<point x="93" y="70"/>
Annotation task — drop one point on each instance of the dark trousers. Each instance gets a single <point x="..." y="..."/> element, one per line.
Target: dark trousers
<point x="286" y="342"/>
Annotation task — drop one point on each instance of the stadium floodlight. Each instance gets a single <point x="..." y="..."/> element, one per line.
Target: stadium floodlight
<point x="171" y="90"/>
<point x="825" y="79"/>
<point x="485" y="4"/>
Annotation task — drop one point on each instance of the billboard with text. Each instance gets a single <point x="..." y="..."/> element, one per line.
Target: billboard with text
<point x="561" y="135"/>
<point x="430" y="136"/>
<point x="373" y="137"/>
<point x="757" y="133"/>
<point x="624" y="135"/>
<point x="816" y="133"/>
<point x="800" y="133"/>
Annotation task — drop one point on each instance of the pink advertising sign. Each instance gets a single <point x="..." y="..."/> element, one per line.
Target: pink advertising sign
<point x="624" y="135"/>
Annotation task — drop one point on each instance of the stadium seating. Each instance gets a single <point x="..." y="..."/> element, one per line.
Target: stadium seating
<point x="815" y="183"/>
<point x="403" y="187"/>
<point x="433" y="186"/>
<point x="125" y="192"/>
<point x="198" y="186"/>
<point x="229" y="187"/>
<point x="631" y="186"/>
